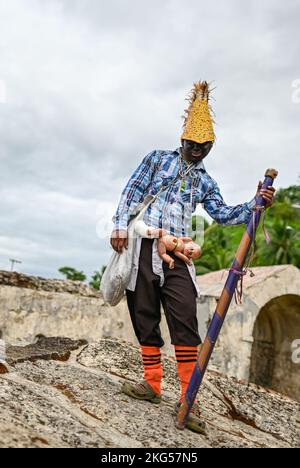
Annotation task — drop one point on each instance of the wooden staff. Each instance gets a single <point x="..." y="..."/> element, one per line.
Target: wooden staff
<point x="235" y="273"/>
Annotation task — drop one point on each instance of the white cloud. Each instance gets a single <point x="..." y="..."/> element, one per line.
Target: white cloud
<point x="91" y="87"/>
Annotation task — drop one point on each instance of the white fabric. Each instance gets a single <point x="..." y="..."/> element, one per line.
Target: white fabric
<point x="141" y="229"/>
<point x="119" y="269"/>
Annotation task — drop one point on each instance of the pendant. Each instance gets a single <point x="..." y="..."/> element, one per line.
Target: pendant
<point x="182" y="188"/>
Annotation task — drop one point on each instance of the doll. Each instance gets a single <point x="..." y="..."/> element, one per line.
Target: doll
<point x="169" y="243"/>
<point x="183" y="247"/>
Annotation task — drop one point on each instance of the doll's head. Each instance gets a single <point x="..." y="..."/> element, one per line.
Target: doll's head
<point x="192" y="250"/>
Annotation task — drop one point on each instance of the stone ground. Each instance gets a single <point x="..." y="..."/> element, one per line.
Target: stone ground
<point x="65" y="393"/>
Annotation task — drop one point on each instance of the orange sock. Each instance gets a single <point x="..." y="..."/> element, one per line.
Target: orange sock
<point x="186" y="357"/>
<point x="152" y="367"/>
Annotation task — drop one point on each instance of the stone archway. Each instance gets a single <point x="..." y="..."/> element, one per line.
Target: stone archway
<point x="276" y="327"/>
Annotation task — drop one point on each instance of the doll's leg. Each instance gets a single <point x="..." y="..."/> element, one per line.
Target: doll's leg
<point x="186" y="239"/>
<point x="183" y="257"/>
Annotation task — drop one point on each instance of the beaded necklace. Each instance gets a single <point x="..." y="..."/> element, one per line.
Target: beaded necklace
<point x="183" y="173"/>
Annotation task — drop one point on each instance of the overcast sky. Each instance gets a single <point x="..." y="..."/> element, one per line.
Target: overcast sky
<point x="88" y="87"/>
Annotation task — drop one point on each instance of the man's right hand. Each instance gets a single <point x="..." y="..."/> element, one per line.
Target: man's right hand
<point x="119" y="240"/>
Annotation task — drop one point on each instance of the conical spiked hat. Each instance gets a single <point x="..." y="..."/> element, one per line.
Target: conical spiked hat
<point x="198" y="121"/>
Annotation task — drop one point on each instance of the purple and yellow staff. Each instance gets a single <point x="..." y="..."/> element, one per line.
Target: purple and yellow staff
<point x="235" y="273"/>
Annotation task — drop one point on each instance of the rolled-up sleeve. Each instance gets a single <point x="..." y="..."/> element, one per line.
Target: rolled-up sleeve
<point x="216" y="207"/>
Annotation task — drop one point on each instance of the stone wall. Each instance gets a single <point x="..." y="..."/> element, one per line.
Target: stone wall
<point x="30" y="307"/>
<point x="276" y="327"/>
<point x="256" y="339"/>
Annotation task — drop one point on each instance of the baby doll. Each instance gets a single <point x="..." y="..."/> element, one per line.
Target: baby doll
<point x="172" y="244"/>
<point x="183" y="247"/>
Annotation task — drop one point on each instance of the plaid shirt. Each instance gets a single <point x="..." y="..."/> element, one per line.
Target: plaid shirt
<point x="174" y="207"/>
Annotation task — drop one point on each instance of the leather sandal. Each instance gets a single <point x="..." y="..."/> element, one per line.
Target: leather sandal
<point x="141" y="391"/>
<point x="194" y="422"/>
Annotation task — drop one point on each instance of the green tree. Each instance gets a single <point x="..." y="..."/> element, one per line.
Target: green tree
<point x="284" y="247"/>
<point x="72" y="274"/>
<point x="96" y="278"/>
<point x="290" y="195"/>
<point x="220" y="243"/>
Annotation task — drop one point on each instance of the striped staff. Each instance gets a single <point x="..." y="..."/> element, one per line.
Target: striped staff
<point x="235" y="273"/>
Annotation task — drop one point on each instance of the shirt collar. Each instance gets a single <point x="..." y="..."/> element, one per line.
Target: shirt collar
<point x="199" y="166"/>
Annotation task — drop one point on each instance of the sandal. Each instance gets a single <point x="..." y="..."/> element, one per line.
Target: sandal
<point x="141" y="391"/>
<point x="194" y="423"/>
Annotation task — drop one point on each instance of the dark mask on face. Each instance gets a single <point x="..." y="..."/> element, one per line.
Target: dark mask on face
<point x="195" y="152"/>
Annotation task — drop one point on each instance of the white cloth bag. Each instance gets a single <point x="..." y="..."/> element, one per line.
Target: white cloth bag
<point x="118" y="271"/>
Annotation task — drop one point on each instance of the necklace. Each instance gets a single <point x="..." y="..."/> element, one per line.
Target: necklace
<point x="183" y="173"/>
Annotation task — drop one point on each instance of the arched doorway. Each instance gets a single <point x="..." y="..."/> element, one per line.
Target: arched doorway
<point x="275" y="329"/>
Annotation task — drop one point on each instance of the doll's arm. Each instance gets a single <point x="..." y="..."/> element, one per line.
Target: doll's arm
<point x="157" y="233"/>
<point x="148" y="232"/>
<point x="162" y="250"/>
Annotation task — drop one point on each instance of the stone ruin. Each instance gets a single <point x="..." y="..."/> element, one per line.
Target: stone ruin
<point x="255" y="344"/>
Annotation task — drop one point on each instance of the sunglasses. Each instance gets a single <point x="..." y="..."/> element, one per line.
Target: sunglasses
<point x="197" y="146"/>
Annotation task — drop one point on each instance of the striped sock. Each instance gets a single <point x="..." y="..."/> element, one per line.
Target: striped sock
<point x="186" y="357"/>
<point x="152" y="367"/>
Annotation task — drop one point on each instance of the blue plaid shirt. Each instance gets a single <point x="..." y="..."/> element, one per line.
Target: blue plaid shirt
<point x="174" y="207"/>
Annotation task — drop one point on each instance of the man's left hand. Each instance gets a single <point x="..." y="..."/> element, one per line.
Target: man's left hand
<point x="267" y="194"/>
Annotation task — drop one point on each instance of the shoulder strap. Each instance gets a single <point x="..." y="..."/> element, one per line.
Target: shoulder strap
<point x="149" y="199"/>
<point x="155" y="197"/>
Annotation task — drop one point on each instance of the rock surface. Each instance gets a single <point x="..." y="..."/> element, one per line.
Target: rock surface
<point x="256" y="340"/>
<point x="4" y="369"/>
<point x="78" y="403"/>
<point x="57" y="349"/>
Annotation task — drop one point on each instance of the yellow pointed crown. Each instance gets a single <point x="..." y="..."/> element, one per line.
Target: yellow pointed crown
<point x="198" y="121"/>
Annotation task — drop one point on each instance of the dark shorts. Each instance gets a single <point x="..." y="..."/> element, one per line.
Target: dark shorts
<point x="177" y="296"/>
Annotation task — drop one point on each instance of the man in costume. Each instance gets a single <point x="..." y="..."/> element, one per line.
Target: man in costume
<point x="185" y="183"/>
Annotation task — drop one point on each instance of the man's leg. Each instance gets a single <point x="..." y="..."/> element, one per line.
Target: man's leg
<point x="144" y="308"/>
<point x="186" y="357"/>
<point x="179" y="301"/>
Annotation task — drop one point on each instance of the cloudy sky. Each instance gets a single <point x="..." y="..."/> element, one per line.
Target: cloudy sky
<point x="88" y="87"/>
